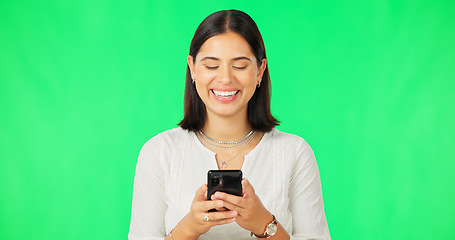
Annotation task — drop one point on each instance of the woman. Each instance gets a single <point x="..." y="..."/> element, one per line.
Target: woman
<point x="227" y="125"/>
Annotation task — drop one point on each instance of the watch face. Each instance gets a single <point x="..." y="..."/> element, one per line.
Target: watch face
<point x="271" y="229"/>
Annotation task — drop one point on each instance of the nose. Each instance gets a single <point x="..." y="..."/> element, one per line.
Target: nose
<point x="225" y="75"/>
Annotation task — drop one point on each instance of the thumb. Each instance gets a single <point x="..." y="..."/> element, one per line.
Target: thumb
<point x="248" y="189"/>
<point x="201" y="193"/>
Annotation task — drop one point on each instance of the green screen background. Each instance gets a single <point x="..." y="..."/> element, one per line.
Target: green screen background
<point x="369" y="84"/>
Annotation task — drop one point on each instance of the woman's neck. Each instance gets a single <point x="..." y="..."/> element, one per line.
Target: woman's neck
<point x="226" y="129"/>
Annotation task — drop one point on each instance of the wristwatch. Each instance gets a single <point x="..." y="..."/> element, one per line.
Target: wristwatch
<point x="271" y="229"/>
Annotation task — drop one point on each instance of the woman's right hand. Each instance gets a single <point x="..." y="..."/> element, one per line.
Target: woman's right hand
<point x="194" y="224"/>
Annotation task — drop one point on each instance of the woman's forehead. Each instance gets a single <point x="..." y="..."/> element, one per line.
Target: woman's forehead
<point x="225" y="46"/>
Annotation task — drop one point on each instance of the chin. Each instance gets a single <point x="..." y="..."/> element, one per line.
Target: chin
<point x="224" y="112"/>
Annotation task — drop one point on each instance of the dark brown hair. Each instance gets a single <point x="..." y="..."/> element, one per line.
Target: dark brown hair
<point x="259" y="114"/>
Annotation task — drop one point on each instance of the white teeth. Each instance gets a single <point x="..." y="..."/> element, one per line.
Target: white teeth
<point x="224" y="94"/>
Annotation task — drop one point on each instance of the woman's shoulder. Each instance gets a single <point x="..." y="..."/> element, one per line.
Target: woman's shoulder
<point x="290" y="144"/>
<point x="171" y="137"/>
<point x="289" y="139"/>
<point x="294" y="148"/>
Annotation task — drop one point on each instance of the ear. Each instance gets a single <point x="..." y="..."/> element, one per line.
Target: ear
<point x="190" y="62"/>
<point x="261" y="70"/>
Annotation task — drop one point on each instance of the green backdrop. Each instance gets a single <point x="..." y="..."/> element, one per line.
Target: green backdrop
<point x="369" y="84"/>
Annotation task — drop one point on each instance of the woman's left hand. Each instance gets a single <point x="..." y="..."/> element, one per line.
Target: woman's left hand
<point x="252" y="215"/>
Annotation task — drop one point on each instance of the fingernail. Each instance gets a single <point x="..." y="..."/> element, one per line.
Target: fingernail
<point x="234" y="213"/>
<point x="220" y="203"/>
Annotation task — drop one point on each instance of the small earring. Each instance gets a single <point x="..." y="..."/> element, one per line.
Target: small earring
<point x="193" y="80"/>
<point x="259" y="84"/>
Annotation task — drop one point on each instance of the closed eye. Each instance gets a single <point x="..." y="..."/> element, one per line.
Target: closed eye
<point x="239" y="68"/>
<point x="211" y="67"/>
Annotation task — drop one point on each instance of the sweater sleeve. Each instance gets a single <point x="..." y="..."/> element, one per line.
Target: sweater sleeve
<point x="149" y="206"/>
<point x="305" y="194"/>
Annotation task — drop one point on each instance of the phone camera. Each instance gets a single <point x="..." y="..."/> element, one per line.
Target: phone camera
<point x="217" y="181"/>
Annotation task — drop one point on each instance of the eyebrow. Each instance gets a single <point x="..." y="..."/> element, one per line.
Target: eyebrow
<point x="241" y="58"/>
<point x="234" y="59"/>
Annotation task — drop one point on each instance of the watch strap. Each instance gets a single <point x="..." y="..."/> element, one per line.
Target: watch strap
<point x="265" y="234"/>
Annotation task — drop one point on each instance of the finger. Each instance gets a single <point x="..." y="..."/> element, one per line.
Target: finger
<point x="222" y="209"/>
<point x="199" y="196"/>
<point x="215" y="197"/>
<point x="207" y="205"/>
<point x="233" y="207"/>
<point x="229" y="198"/>
<point x="248" y="189"/>
<point x="215" y="216"/>
<point x="223" y="221"/>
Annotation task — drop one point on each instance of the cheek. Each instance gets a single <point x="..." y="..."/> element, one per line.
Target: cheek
<point x="202" y="92"/>
<point x="204" y="75"/>
<point x="248" y="77"/>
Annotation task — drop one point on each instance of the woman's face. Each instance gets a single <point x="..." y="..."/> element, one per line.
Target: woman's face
<point x="226" y="74"/>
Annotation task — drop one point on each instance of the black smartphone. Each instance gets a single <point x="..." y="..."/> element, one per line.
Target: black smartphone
<point x="228" y="181"/>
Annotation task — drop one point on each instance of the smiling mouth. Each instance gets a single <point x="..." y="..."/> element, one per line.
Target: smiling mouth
<point x="225" y="94"/>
